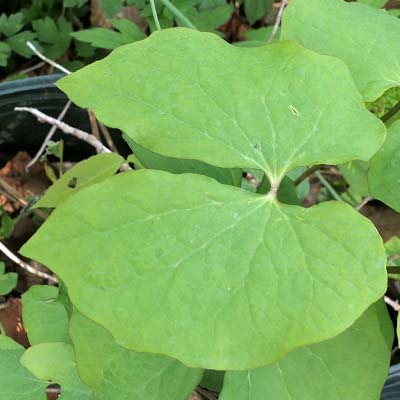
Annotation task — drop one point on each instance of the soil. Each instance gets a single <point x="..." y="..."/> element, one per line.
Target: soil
<point x="385" y="219"/>
<point x="11" y="321"/>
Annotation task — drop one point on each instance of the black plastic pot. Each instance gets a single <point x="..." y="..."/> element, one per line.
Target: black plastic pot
<point x="22" y="131"/>
<point x="391" y="390"/>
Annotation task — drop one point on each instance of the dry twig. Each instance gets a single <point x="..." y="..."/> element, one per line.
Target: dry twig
<point x="63" y="112"/>
<point x="49" y="136"/>
<point x="78" y="133"/>
<point x="93" y="124"/>
<point x="278" y="21"/>
<point x="47" y="60"/>
<point x="33" y="68"/>
<point x="107" y="136"/>
<point x="392" y="303"/>
<point x="27" y="267"/>
<point x="13" y="195"/>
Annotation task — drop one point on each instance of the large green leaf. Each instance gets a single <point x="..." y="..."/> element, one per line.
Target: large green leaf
<point x="55" y="362"/>
<point x="188" y="94"/>
<point x="364" y="37"/>
<point x="16" y="382"/>
<point x="45" y="318"/>
<point x="151" y="160"/>
<point x="81" y="175"/>
<point x="212" y="275"/>
<point x="384" y="172"/>
<point x="114" y="372"/>
<point x="353" y="365"/>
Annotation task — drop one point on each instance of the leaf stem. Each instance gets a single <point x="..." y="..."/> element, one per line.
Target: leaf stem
<point x="363" y="203"/>
<point x="306" y="174"/>
<point x="392" y="112"/>
<point x="328" y="186"/>
<point x="205" y="393"/>
<point x="185" y="21"/>
<point x="2" y="330"/>
<point x="155" y="16"/>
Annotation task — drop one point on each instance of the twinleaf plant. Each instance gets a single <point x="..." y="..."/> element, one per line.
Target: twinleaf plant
<point x="174" y="271"/>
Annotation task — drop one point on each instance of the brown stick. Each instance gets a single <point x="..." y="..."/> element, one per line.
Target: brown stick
<point x="107" y="136"/>
<point x="93" y="124"/>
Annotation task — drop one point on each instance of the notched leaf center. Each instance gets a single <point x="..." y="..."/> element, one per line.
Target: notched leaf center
<point x="273" y="191"/>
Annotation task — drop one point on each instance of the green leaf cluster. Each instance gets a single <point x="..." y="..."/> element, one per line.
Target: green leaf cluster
<point x="177" y="270"/>
<point x="206" y="15"/>
<point x="83" y="358"/>
<point x="256" y="9"/>
<point x="128" y="32"/>
<point x="13" y="39"/>
<point x="51" y="26"/>
<point x="50" y="34"/>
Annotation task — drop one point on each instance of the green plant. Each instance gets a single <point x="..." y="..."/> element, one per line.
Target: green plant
<point x="174" y="271"/>
<point x="43" y="24"/>
<point x="8" y="280"/>
<point x="51" y="25"/>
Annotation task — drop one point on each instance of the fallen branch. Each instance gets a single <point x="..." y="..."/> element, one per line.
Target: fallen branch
<point x="63" y="112"/>
<point x="27" y="267"/>
<point x="69" y="130"/>
<point x="48" y="137"/>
